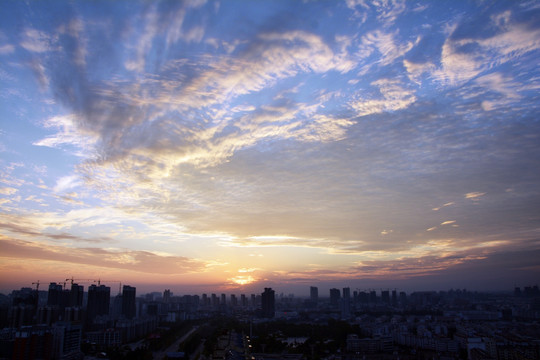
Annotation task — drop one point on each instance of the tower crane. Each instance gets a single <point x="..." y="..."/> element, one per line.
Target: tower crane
<point x="112" y="281"/>
<point x="37" y="285"/>
<point x="72" y="280"/>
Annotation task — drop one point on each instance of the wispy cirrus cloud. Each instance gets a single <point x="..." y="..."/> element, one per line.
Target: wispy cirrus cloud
<point x="393" y="96"/>
<point x="466" y="53"/>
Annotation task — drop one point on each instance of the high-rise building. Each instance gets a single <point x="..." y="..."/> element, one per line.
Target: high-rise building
<point x="268" y="298"/>
<point x="167" y="296"/>
<point x="346" y="303"/>
<point x="76" y="295"/>
<point x="129" y="307"/>
<point x="372" y="296"/>
<point x="385" y="296"/>
<point x="53" y="296"/>
<point x="98" y="301"/>
<point x="402" y="298"/>
<point x="314" y="294"/>
<point x="67" y="340"/>
<point x="334" y="297"/>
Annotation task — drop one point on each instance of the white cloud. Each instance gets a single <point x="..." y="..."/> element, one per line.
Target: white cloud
<point x="387" y="10"/>
<point x="8" y="191"/>
<point x="511" y="41"/>
<point x="416" y="70"/>
<point x="70" y="133"/>
<point x="387" y="45"/>
<point x="36" y="41"/>
<point x="144" y="42"/>
<point x="474" y="195"/>
<point x="67" y="183"/>
<point x="394" y="97"/>
<point x="448" y="222"/>
<point x="194" y="34"/>
<point x="6" y="49"/>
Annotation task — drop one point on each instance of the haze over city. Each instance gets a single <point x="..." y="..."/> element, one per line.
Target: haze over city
<point x="236" y="145"/>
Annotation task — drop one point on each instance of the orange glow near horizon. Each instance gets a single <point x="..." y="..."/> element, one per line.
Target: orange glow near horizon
<point x="243" y="280"/>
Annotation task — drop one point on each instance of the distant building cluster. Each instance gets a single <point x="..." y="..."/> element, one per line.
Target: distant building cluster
<point x="52" y="324"/>
<point x="456" y="324"/>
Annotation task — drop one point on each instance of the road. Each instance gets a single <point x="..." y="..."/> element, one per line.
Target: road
<point x="158" y="355"/>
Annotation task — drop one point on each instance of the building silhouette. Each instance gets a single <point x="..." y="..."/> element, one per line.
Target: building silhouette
<point x="346" y="303"/>
<point x="128" y="302"/>
<point x="76" y="295"/>
<point x="54" y="293"/>
<point x="314" y="294"/>
<point x="385" y="296"/>
<point x="334" y="297"/>
<point x="98" y="301"/>
<point x="268" y="303"/>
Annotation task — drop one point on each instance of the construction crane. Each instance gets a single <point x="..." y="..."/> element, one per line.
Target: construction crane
<point x="37" y="285"/>
<point x="98" y="281"/>
<point x="72" y="280"/>
<point x="112" y="281"/>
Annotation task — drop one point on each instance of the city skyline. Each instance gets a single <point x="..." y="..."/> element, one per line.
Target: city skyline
<point x="242" y="145"/>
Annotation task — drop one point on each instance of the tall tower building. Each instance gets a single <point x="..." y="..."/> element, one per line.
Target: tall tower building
<point x="53" y="296"/>
<point x="314" y="294"/>
<point x="346" y="303"/>
<point x="334" y="297"/>
<point x="128" y="302"/>
<point x="167" y="296"/>
<point x="98" y="301"/>
<point x="385" y="296"/>
<point x="76" y="295"/>
<point x="268" y="298"/>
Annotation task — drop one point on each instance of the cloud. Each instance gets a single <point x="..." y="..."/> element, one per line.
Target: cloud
<point x="474" y="195"/>
<point x="36" y="41"/>
<point x="466" y="54"/>
<point x="288" y="138"/>
<point x="144" y="42"/>
<point x="26" y="230"/>
<point x="386" y="11"/>
<point x="387" y="45"/>
<point x="8" y="191"/>
<point x="139" y="261"/>
<point x="394" y="97"/>
<point x="448" y="222"/>
<point x="6" y="49"/>
<point x="67" y="183"/>
<point x="416" y="70"/>
<point x="107" y="110"/>
<point x="69" y="134"/>
<point x="445" y="205"/>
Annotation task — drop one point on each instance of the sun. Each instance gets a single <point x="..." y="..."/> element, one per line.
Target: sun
<point x="242" y="279"/>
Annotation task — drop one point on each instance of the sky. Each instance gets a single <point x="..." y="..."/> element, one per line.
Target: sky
<point x="228" y="146"/>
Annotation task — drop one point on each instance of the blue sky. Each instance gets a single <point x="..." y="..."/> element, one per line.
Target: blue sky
<point x="241" y="144"/>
